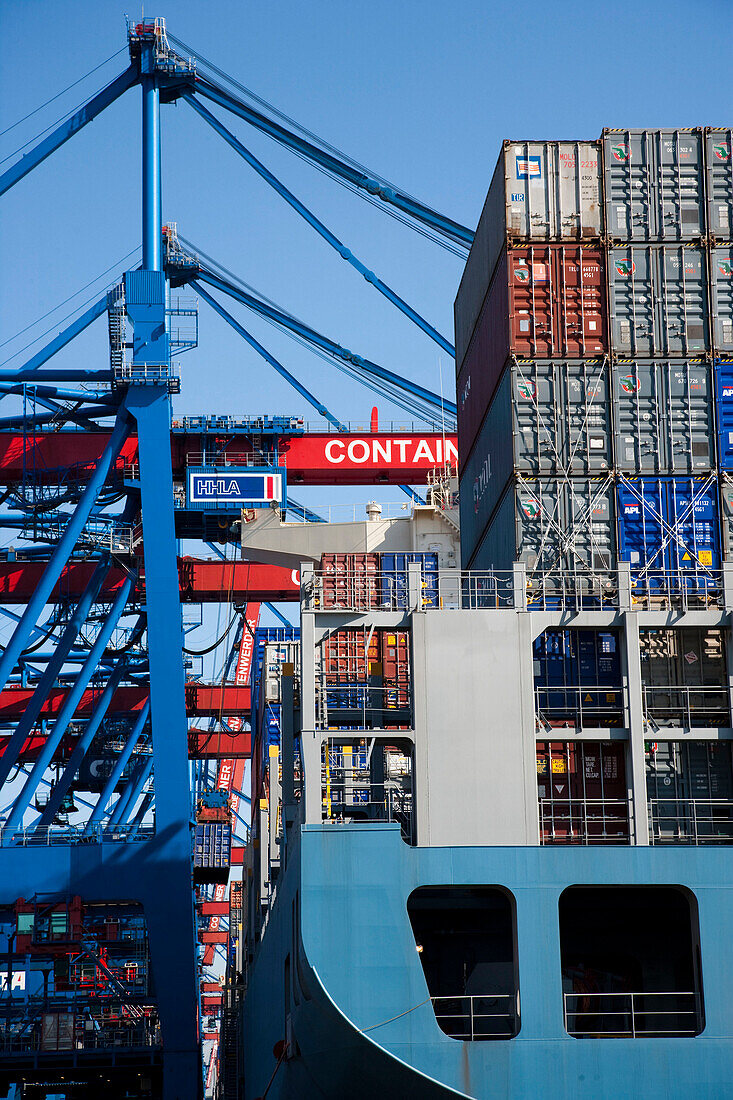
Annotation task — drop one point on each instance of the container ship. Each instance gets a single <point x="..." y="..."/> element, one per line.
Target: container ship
<point x="492" y="782"/>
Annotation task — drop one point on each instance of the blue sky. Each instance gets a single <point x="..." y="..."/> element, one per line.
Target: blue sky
<point x="421" y="91"/>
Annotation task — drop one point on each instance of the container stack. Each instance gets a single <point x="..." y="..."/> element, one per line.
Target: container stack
<point x="594" y="353"/>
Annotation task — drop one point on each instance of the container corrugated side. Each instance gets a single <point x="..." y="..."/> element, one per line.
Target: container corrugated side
<point x="663" y="415"/>
<point x="540" y="191"/>
<point x="394" y="578"/>
<point x="719" y="183"/>
<point x="556" y="525"/>
<point x="721" y="298"/>
<point x="546" y="417"/>
<point x="668" y="530"/>
<point x="654" y="185"/>
<point x="658" y="300"/>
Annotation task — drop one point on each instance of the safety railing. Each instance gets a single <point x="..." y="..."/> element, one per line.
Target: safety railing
<point x="256" y="425"/>
<point x="690" y="820"/>
<point x="584" y="820"/>
<point x="579" y="707"/>
<point x="349" y="796"/>
<point x="232" y="458"/>
<point x="688" y="706"/>
<point x="692" y="589"/>
<point x="555" y="590"/>
<point x="45" y="835"/>
<point x="385" y="427"/>
<point x="630" y="1015"/>
<point x="477" y="1017"/>
<point x="362" y="705"/>
<point x="400" y="590"/>
<point x="85" y="1036"/>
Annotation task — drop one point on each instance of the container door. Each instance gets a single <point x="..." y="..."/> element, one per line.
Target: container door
<point x="583" y="399"/>
<point x="579" y="300"/>
<point x="689" y="416"/>
<point x="694" y="544"/>
<point x="637" y="412"/>
<point x="588" y="538"/>
<point x="539" y="436"/>
<point x="531" y="313"/>
<point x="681" y="304"/>
<point x="678" y="176"/>
<point x="641" y="512"/>
<point x="627" y="168"/>
<point x="721" y="288"/>
<point x="631" y="301"/>
<point x="719" y="170"/>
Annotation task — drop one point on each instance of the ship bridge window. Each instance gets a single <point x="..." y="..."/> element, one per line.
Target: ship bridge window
<point x="630" y="962"/>
<point x="465" y="937"/>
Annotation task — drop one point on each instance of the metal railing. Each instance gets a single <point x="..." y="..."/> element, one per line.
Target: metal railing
<point x="691" y="589"/>
<point x="589" y="706"/>
<point x="232" y="458"/>
<point x="45" y="835"/>
<point x="389" y="590"/>
<point x="689" y="705"/>
<point x="361" y="705"/>
<point x="629" y="1015"/>
<point x="555" y="590"/>
<point x="98" y="1037"/>
<point x="690" y="820"/>
<point x="477" y="1017"/>
<point x="584" y="821"/>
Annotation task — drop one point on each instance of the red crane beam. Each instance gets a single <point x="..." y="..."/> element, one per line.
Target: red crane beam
<point x="315" y="458"/>
<point x="200" y="581"/>
<point x="219" y="745"/>
<point x="202" y="700"/>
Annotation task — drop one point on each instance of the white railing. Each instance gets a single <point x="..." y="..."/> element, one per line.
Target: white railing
<point x="390" y="590"/>
<point x="685" y="590"/>
<point x="477" y="1017"/>
<point x="629" y="1015"/>
<point x="232" y="458"/>
<point x="583" y="707"/>
<point x="686" y="705"/>
<point x="556" y="590"/>
<point x="583" y="821"/>
<point x="690" y="821"/>
<point x="360" y="704"/>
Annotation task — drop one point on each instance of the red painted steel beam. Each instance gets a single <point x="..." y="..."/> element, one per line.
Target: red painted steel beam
<point x="316" y="458"/>
<point x="208" y="956"/>
<point x="212" y="987"/>
<point x="236" y="858"/>
<point x="219" y="745"/>
<point x="205" y="700"/>
<point x="200" y="581"/>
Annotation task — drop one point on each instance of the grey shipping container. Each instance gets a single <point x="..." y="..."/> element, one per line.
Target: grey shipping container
<point x="546" y="417"/>
<point x="540" y="191"/>
<point x="721" y="292"/>
<point x="550" y="524"/>
<point x="658" y="300"/>
<point x="719" y="172"/>
<point x="654" y="184"/>
<point x="663" y="415"/>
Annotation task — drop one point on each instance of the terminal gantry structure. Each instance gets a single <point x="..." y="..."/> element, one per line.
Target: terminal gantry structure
<point x="99" y="484"/>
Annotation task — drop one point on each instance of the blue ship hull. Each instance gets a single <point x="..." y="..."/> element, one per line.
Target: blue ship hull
<point x="358" y="1019"/>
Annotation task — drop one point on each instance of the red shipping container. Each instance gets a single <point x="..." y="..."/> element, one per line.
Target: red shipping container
<point x="544" y="302"/>
<point x="350" y="580"/>
<point x="344" y="655"/>
<point x="582" y="793"/>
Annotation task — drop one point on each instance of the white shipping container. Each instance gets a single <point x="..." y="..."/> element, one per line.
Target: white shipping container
<point x="540" y="191"/>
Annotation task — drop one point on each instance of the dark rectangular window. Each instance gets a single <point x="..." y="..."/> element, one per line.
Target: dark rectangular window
<point x="630" y="962"/>
<point x="465" y="936"/>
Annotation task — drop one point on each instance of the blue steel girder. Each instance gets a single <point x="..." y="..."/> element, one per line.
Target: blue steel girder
<point x="319" y="227"/>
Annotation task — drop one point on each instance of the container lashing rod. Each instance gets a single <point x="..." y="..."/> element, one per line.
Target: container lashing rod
<point x="324" y="343"/>
<point x="318" y="225"/>
<point x="281" y="370"/>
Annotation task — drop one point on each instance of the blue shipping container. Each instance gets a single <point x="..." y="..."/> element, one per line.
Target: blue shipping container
<point x="393" y="569"/>
<point x="668" y="529"/>
<point x="724" y="403"/>
<point x="212" y="852"/>
<point x="263" y="635"/>
<point x="576" y="671"/>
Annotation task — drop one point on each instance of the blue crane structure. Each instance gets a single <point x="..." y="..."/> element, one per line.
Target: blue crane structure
<point x="134" y="843"/>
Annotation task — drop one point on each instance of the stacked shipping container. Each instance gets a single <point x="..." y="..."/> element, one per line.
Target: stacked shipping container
<point x="594" y="358"/>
